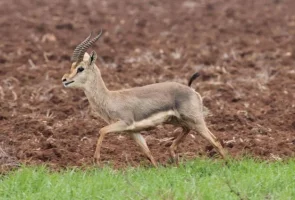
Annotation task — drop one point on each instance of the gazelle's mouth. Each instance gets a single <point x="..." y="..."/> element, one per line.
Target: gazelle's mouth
<point x="68" y="83"/>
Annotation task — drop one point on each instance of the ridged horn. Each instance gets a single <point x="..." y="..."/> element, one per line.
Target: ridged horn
<point x="86" y="45"/>
<point x="77" y="50"/>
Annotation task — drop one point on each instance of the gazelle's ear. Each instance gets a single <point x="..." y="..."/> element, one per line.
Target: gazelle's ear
<point x="86" y="57"/>
<point x="92" y="58"/>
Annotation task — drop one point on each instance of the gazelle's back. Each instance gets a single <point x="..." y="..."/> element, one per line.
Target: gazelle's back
<point x="142" y="102"/>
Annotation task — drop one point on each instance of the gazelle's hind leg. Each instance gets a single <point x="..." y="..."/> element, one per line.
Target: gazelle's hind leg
<point x="139" y="139"/>
<point x="176" y="142"/>
<point x="202" y="129"/>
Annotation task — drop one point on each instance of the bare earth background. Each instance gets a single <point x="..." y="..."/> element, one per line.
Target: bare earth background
<point x="245" y="51"/>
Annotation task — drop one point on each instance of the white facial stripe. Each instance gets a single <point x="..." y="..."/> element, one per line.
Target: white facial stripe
<point x="153" y="120"/>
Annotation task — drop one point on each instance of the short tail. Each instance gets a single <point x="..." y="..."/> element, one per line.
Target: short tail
<point x="196" y="75"/>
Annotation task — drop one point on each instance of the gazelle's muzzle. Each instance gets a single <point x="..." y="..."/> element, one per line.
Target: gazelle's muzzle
<point x="66" y="81"/>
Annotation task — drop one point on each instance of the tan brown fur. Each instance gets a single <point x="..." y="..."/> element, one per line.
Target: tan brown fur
<point x="141" y="108"/>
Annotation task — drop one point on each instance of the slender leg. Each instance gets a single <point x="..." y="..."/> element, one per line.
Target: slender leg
<point x="176" y="142"/>
<point x="139" y="139"/>
<point x="115" y="127"/>
<point x="202" y="129"/>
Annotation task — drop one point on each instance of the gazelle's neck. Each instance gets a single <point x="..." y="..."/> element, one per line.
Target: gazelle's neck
<point x="95" y="89"/>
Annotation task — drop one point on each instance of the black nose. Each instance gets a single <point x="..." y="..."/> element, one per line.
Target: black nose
<point x="64" y="80"/>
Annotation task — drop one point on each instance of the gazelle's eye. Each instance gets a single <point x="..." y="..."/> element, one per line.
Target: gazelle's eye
<point x="80" y="69"/>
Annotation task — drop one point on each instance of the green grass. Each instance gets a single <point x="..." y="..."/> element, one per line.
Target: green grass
<point x="199" y="179"/>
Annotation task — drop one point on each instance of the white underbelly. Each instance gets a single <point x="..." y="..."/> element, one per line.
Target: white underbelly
<point x="153" y="120"/>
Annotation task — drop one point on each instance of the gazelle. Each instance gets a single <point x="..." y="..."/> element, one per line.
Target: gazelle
<point x="140" y="108"/>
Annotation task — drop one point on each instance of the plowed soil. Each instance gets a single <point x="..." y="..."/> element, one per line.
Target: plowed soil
<point x="245" y="51"/>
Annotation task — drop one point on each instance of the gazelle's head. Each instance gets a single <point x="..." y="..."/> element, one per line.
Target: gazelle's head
<point x="83" y="67"/>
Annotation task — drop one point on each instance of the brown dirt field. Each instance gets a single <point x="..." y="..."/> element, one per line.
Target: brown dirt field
<point x="245" y="51"/>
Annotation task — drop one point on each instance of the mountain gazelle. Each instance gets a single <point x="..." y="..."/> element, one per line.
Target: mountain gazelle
<point x="140" y="108"/>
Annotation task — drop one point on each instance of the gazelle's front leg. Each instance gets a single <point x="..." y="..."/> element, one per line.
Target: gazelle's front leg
<point x="115" y="127"/>
<point x="139" y="139"/>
